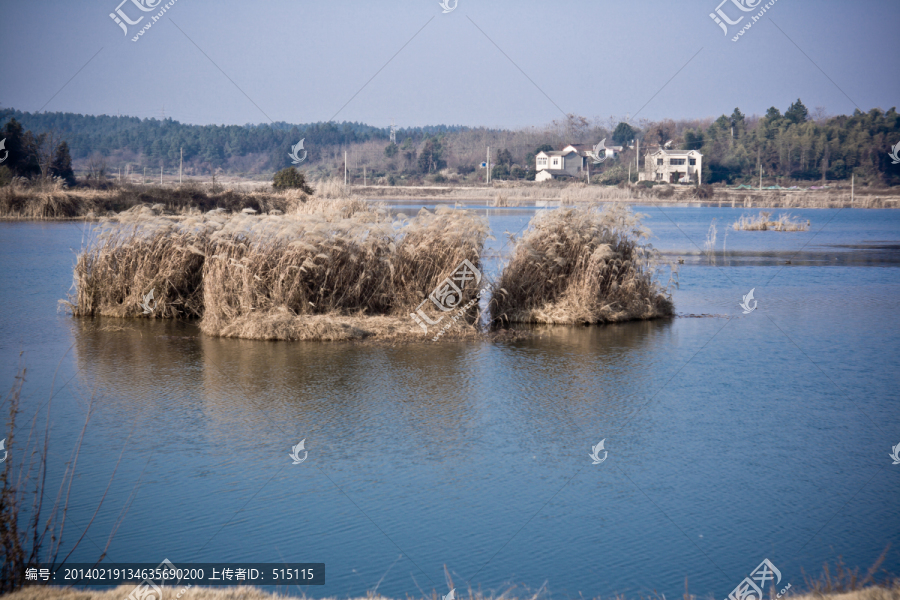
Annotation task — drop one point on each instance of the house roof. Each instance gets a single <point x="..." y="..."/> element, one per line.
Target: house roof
<point x="556" y="172"/>
<point x="676" y="152"/>
<point x="588" y="148"/>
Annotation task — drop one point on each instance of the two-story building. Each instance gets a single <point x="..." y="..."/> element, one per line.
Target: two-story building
<point x="672" y="166"/>
<point x="571" y="161"/>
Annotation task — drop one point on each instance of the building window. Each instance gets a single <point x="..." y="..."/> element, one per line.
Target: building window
<point x="659" y="162"/>
<point x="693" y="162"/>
<point x="676" y="161"/>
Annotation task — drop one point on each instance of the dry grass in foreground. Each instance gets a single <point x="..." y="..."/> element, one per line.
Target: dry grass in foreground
<point x="763" y="222"/>
<point x="582" y="266"/>
<point x="251" y="593"/>
<point x="329" y="270"/>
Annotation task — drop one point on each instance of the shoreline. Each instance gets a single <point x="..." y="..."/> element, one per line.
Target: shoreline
<point x="82" y="204"/>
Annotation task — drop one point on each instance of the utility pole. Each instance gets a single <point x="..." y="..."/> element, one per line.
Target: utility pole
<point x="760" y="176"/>
<point x="487" y="164"/>
<point x="852" y="181"/>
<point x="345" y="167"/>
<point x="637" y="158"/>
<point x="181" y="167"/>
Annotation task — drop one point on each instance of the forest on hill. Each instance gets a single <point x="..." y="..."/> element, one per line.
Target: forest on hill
<point x="793" y="145"/>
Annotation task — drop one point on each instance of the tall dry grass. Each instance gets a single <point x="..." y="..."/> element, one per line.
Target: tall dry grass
<point x="764" y="222"/>
<point x="304" y="275"/>
<point x="141" y="252"/>
<point x="582" y="266"/>
<point x="275" y="278"/>
<point x="889" y="592"/>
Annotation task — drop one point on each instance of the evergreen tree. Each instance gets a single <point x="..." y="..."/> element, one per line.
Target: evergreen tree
<point x="20" y="144"/>
<point x="623" y="134"/>
<point x="797" y="113"/>
<point x="291" y="178"/>
<point x="61" y="166"/>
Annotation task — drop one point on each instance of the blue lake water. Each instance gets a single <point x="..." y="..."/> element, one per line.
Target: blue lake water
<point x="731" y="438"/>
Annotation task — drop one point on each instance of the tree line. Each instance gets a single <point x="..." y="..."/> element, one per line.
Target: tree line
<point x="794" y="145"/>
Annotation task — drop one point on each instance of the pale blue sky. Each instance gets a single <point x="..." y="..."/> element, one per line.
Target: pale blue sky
<point x="303" y="60"/>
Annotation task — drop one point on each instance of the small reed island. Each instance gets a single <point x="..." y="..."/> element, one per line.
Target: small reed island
<point x="346" y="269"/>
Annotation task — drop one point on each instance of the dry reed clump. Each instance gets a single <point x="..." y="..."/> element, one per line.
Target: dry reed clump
<point x="332" y="188"/>
<point x="582" y="266"/>
<point x="140" y="253"/>
<point x="762" y="222"/>
<point x="40" y="200"/>
<point x="324" y="275"/>
<point x="503" y="200"/>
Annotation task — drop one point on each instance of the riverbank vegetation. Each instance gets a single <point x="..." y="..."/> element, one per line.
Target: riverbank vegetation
<point x="582" y="266"/>
<point x="764" y="222"/>
<point x="888" y="591"/>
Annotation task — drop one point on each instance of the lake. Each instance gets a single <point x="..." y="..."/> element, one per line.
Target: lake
<point x="731" y="437"/>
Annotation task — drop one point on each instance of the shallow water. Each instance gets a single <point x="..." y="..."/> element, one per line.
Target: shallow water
<point x="731" y="438"/>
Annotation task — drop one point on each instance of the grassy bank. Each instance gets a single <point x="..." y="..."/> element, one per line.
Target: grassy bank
<point x="582" y="266"/>
<point x="51" y="201"/>
<point x="504" y="193"/>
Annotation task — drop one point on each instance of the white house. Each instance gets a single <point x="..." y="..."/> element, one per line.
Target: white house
<point x="558" y="163"/>
<point x="672" y="166"/>
<point x="571" y="161"/>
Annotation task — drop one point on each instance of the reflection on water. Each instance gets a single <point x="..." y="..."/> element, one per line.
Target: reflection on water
<point x="730" y="439"/>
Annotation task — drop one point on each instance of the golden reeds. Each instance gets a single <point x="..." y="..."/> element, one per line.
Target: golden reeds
<point x="267" y="276"/>
<point x="582" y="266"/>
<point x="764" y="222"/>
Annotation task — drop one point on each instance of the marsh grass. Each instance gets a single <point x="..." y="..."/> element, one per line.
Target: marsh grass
<point x="139" y="253"/>
<point x="582" y="266"/>
<point x="22" y="199"/>
<point x="316" y="275"/>
<point x="764" y="222"/>
<point x="318" y="272"/>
